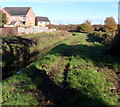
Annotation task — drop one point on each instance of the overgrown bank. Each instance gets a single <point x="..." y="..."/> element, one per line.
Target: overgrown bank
<point x="73" y="73"/>
<point x="17" y="51"/>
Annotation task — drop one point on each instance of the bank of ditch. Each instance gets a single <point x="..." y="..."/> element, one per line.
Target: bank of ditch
<point x="18" y="52"/>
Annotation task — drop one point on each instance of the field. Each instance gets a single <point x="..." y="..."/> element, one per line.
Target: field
<point x="76" y="71"/>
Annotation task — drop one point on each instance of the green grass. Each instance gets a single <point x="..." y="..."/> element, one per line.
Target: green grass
<point x="80" y="58"/>
<point x="15" y="91"/>
<point x="91" y="86"/>
<point x="48" y="60"/>
<point x="18" y="51"/>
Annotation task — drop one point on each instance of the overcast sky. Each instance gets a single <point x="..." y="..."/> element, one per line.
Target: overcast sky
<point x="71" y="12"/>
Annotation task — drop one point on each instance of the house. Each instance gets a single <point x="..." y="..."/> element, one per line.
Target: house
<point x="42" y="21"/>
<point x="19" y="16"/>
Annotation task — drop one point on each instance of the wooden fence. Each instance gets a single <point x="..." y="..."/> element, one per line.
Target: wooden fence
<point x="7" y="31"/>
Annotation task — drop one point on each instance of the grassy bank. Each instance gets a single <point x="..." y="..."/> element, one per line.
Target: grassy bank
<point x="72" y="73"/>
<point x="17" y="51"/>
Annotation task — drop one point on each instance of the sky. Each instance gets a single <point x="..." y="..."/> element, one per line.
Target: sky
<point x="71" y="12"/>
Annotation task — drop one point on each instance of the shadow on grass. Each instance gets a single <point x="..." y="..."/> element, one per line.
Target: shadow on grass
<point x="94" y="38"/>
<point x="16" y="52"/>
<point x="107" y="56"/>
<point x="59" y="95"/>
<point x="96" y="53"/>
<point x="63" y="95"/>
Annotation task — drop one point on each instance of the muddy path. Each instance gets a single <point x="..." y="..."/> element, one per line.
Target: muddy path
<point x="56" y="94"/>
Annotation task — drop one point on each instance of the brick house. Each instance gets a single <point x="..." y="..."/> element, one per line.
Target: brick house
<point x="17" y="16"/>
<point x="42" y="21"/>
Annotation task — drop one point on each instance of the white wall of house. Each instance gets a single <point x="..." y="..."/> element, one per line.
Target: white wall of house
<point x="43" y="23"/>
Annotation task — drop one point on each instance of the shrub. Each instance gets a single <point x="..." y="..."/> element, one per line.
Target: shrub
<point x="104" y="38"/>
<point x="86" y="27"/>
<point x="108" y="38"/>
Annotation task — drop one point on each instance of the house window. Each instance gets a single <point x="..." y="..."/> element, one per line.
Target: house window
<point x="22" y="17"/>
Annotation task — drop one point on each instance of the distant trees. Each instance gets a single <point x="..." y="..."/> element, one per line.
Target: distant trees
<point x="110" y="24"/>
<point x="3" y="18"/>
<point x="86" y="27"/>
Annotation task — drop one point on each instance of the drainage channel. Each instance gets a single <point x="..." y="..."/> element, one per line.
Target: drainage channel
<point x="41" y="54"/>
